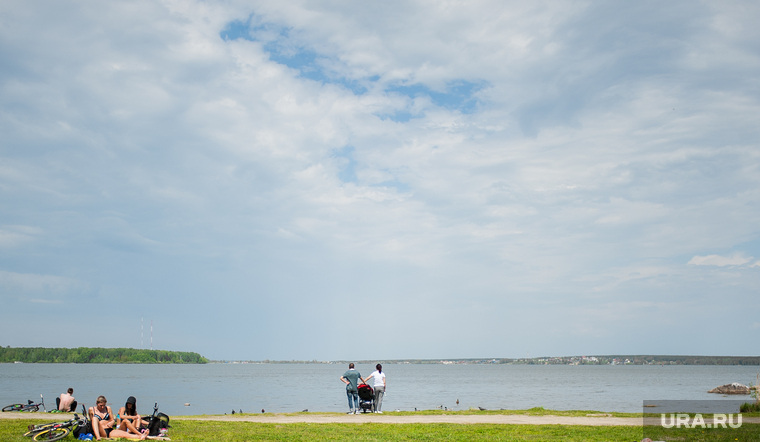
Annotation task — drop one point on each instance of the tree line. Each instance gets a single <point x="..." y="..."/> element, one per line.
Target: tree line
<point x="85" y="355"/>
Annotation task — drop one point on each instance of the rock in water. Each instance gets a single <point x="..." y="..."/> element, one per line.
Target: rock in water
<point x="735" y="388"/>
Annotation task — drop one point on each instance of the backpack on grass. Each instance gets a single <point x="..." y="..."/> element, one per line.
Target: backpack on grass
<point x="83" y="429"/>
<point x="157" y="423"/>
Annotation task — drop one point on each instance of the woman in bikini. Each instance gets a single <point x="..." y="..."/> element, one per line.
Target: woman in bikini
<point x="103" y="422"/>
<point x="129" y="420"/>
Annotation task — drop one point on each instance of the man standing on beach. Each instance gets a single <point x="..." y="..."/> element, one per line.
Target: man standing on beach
<point x="351" y="379"/>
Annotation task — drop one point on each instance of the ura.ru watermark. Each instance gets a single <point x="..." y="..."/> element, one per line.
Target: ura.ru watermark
<point x="714" y="420"/>
<point x="696" y="420"/>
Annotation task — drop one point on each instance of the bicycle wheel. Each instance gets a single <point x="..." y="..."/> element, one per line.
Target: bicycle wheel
<point x="31" y="408"/>
<point x="14" y="407"/>
<point x="52" y="434"/>
<point x="34" y="429"/>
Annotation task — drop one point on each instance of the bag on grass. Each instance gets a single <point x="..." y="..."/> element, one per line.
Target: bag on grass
<point x="83" y="429"/>
<point x="157" y="423"/>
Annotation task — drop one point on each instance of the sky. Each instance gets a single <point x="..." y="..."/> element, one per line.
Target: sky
<point x="341" y="180"/>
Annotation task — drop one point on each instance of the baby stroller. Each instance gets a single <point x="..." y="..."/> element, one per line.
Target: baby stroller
<point x="366" y="396"/>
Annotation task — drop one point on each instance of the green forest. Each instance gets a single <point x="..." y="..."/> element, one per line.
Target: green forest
<point x="84" y="355"/>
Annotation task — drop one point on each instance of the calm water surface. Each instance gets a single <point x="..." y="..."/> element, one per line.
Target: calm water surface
<point x="221" y="388"/>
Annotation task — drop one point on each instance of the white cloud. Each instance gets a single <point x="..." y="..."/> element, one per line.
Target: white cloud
<point x="45" y="301"/>
<point x="34" y="284"/>
<point x="15" y="236"/>
<point x="736" y="259"/>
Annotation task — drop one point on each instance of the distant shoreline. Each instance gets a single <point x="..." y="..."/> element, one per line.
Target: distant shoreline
<point x="561" y="360"/>
<point x="85" y="355"/>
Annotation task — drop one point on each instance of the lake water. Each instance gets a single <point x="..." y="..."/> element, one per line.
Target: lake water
<point x="221" y="388"/>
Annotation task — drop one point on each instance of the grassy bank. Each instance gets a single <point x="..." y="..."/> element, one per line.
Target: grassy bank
<point x="12" y="430"/>
<point x="194" y="430"/>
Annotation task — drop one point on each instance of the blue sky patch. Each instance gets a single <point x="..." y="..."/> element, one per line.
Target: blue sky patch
<point x="236" y="30"/>
<point x="283" y="49"/>
<point x="395" y="184"/>
<point x="347" y="164"/>
<point x="459" y="94"/>
<point x="399" y="116"/>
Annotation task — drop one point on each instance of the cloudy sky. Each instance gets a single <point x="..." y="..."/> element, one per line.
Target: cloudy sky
<point x="367" y="180"/>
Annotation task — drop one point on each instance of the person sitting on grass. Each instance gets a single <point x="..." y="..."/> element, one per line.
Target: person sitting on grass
<point x="103" y="422"/>
<point x="129" y="420"/>
<point x="66" y="401"/>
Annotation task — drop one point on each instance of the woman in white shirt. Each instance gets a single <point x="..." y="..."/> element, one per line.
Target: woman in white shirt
<point x="378" y="386"/>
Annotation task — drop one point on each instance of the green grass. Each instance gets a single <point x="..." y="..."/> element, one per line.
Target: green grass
<point x="201" y="431"/>
<point x="12" y="430"/>
<point x="196" y="430"/>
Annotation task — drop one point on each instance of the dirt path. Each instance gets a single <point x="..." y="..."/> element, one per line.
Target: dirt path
<point x="392" y="418"/>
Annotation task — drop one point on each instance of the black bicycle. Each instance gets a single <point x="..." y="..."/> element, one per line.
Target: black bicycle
<point x="29" y="406"/>
<point x="58" y="430"/>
